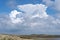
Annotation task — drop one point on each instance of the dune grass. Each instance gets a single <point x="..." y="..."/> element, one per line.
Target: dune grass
<point x="28" y="37"/>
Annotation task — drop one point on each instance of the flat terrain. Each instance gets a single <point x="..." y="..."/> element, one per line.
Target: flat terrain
<point x="29" y="37"/>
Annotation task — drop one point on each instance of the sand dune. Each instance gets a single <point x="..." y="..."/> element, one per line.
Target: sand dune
<point x="11" y="37"/>
<point x="28" y="37"/>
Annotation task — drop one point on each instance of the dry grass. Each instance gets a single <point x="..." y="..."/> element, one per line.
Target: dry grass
<point x="11" y="37"/>
<point x="26" y="37"/>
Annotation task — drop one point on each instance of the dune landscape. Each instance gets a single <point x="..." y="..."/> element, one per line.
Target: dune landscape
<point x="11" y="37"/>
<point x="28" y="37"/>
<point x="29" y="19"/>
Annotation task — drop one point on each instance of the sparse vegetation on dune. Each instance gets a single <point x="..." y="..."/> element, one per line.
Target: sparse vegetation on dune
<point x="11" y="37"/>
<point x="27" y="37"/>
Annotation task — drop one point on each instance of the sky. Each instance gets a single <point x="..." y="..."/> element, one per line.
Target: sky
<point x="30" y="17"/>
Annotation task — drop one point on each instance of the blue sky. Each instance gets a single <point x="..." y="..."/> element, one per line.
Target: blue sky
<point x="25" y="16"/>
<point x="5" y="6"/>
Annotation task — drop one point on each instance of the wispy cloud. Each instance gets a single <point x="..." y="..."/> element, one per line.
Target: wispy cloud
<point x="53" y="4"/>
<point x="11" y="4"/>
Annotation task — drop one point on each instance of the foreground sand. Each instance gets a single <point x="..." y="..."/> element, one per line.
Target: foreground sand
<point x="11" y="37"/>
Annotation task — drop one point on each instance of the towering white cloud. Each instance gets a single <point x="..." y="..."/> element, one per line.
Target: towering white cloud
<point x="29" y="11"/>
<point x="14" y="18"/>
<point x="29" y="18"/>
<point x="39" y="10"/>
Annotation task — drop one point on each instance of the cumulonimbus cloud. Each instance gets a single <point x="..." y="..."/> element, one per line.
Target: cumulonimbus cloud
<point x="30" y="11"/>
<point x="34" y="17"/>
<point x="13" y="17"/>
<point x="29" y="19"/>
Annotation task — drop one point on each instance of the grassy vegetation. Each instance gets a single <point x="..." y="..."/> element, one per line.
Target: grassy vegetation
<point x="28" y="37"/>
<point x="6" y="39"/>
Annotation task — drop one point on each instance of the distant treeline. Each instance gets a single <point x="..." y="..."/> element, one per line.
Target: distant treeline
<point x="39" y="36"/>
